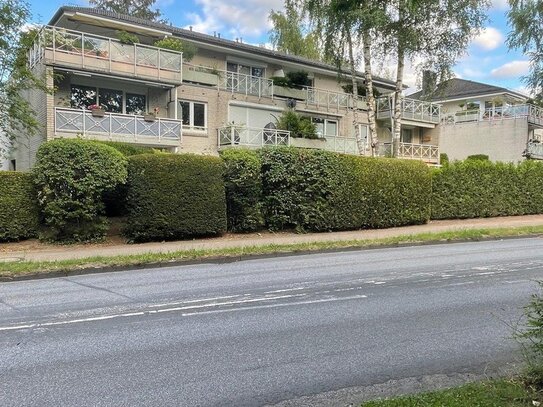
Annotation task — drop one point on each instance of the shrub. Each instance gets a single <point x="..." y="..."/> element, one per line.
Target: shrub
<point x="18" y="207"/>
<point x="480" y="157"/>
<point x="281" y="81"/>
<point x="127" y="38"/>
<point x="298" y="79"/>
<point x="175" y="44"/>
<point x="479" y="188"/>
<point x="312" y="190"/>
<point x="443" y="159"/>
<point x="115" y="200"/>
<point x="172" y="196"/>
<point x="298" y="126"/>
<point x="243" y="185"/>
<point x="71" y="177"/>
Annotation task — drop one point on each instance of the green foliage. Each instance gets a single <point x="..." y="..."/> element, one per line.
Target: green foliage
<point x="18" y="122"/>
<point x="294" y="79"/>
<point x="299" y="126"/>
<point x="18" y="207"/>
<point x="313" y="190"/>
<point x="531" y="338"/>
<point x="71" y="177"/>
<point x="361" y="90"/>
<point x="480" y="157"/>
<point x="115" y="200"/>
<point x="243" y="189"/>
<point x="140" y="8"/>
<point x="175" y="44"/>
<point x="443" y="159"/>
<point x="175" y="196"/>
<point x="127" y="38"/>
<point x="479" y="188"/>
<point x="281" y="81"/>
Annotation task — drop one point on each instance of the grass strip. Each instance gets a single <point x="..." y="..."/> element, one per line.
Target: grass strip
<point x="496" y="393"/>
<point x="24" y="268"/>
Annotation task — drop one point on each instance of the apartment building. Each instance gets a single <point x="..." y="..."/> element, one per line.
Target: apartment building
<point x="224" y="97"/>
<point x="477" y="118"/>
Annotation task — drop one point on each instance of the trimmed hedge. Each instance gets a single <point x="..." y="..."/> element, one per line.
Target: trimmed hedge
<point x="480" y="157"/>
<point x="243" y="185"/>
<point x="478" y="188"/>
<point x="312" y="190"/>
<point x="174" y="196"/>
<point x="72" y="176"/>
<point x="129" y="150"/>
<point x="18" y="207"/>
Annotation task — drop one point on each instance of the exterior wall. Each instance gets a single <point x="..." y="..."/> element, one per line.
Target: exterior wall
<point x="501" y="141"/>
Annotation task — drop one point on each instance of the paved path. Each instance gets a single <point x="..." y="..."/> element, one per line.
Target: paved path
<point x="309" y="330"/>
<point x="50" y="252"/>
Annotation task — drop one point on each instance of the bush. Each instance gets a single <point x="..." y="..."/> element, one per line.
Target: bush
<point x="443" y="159"/>
<point x="175" y="44"/>
<point x="18" y="207"/>
<point x="127" y="38"/>
<point x="478" y="188"/>
<point x="299" y="126"/>
<point x="479" y="157"/>
<point x="71" y="177"/>
<point x="115" y="200"/>
<point x="173" y="196"/>
<point x="243" y="185"/>
<point x="295" y="79"/>
<point x="312" y="190"/>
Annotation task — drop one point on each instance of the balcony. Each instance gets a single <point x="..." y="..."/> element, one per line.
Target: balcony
<point x="422" y="152"/>
<point x="533" y="114"/>
<point x="321" y="98"/>
<point x="412" y="109"/>
<point x="241" y="136"/>
<point x="117" y="127"/>
<point x="74" y="49"/>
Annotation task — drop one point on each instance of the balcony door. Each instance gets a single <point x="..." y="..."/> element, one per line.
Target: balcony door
<point x="111" y="100"/>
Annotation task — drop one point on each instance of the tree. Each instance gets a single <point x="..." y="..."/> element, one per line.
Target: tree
<point x="135" y="8"/>
<point x="288" y="34"/>
<point x="526" y="20"/>
<point x="343" y="25"/>
<point x="17" y="118"/>
<point x="435" y="31"/>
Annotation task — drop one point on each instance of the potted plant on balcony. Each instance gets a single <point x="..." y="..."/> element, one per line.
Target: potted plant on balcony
<point x="97" y="111"/>
<point x="151" y="116"/>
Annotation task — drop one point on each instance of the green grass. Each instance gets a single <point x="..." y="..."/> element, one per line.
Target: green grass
<point x="498" y="393"/>
<point x="20" y="268"/>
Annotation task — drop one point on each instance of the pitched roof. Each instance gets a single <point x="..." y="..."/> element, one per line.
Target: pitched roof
<point x="205" y="38"/>
<point x="460" y="88"/>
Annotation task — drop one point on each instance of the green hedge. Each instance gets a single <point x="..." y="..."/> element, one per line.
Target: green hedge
<point x="312" y="190"/>
<point x="18" y="207"/>
<point x="72" y="176"/>
<point x="479" y="188"/>
<point x="174" y="196"/>
<point x="243" y="185"/>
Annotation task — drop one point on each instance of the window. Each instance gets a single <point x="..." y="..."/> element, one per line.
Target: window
<point x="407" y="136"/>
<point x="245" y="69"/>
<point x="113" y="101"/>
<point x="13" y="165"/>
<point x="82" y="97"/>
<point x="193" y="115"/>
<point x="135" y="104"/>
<point x="325" y="127"/>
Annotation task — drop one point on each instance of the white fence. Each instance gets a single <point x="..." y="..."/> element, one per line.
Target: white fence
<point x="75" y="48"/>
<point x="123" y="127"/>
<point x="533" y="114"/>
<point x="412" y="109"/>
<point x="252" y="137"/>
<point x="246" y="84"/>
<point x="424" y="152"/>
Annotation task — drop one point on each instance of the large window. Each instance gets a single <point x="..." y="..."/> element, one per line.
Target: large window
<point x="113" y="101"/>
<point x="325" y="127"/>
<point x="406" y="136"/>
<point x="193" y="115"/>
<point x="245" y="69"/>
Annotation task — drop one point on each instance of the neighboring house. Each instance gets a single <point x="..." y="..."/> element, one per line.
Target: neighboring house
<point x="477" y="118"/>
<point x="222" y="98"/>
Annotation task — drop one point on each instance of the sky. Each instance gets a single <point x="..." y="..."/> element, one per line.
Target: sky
<point x="487" y="59"/>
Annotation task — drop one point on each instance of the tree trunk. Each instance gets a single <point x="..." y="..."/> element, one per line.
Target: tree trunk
<point x="352" y="65"/>
<point x="369" y="93"/>
<point x="398" y="99"/>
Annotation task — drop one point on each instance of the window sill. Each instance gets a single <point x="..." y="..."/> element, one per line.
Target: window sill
<point x="195" y="132"/>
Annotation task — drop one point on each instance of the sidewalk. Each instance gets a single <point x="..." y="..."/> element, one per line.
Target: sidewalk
<point x="10" y="252"/>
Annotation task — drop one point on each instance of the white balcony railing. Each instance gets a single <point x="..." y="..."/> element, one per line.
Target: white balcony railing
<point x="252" y="137"/>
<point x="249" y="85"/>
<point x="115" y="126"/>
<point x="423" y="152"/>
<point x="533" y="114"/>
<point x="331" y="99"/>
<point x="88" y="51"/>
<point x="412" y="109"/>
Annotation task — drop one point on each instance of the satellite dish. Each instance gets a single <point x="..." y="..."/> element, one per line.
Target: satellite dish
<point x="291" y="103"/>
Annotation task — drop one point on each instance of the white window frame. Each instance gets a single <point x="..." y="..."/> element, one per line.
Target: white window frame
<point x="325" y="122"/>
<point x="191" y="126"/>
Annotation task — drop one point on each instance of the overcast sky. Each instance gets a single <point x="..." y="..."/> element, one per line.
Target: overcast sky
<point x="488" y="59"/>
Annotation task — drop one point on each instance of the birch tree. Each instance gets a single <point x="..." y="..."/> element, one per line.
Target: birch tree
<point x="526" y="20"/>
<point x="435" y="31"/>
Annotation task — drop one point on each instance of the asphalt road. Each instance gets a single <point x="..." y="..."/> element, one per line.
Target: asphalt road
<point x="264" y="331"/>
